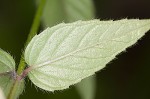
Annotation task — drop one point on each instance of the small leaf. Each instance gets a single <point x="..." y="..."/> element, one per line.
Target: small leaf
<point x="7" y="63"/>
<point x="6" y="83"/>
<point x="67" y="53"/>
<point x="7" y="74"/>
<point x="7" y="68"/>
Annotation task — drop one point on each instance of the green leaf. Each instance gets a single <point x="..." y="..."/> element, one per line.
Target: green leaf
<point x="57" y="11"/>
<point x="86" y="88"/>
<point x="7" y="74"/>
<point x="7" y="63"/>
<point x="7" y="68"/>
<point x="6" y="83"/>
<point x="67" y="53"/>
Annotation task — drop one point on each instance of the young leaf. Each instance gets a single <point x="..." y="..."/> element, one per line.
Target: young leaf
<point x="7" y="68"/>
<point x="7" y="63"/>
<point x="7" y="74"/>
<point x="6" y="83"/>
<point x="67" y="53"/>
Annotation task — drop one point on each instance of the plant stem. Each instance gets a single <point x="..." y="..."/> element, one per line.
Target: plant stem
<point x="33" y="31"/>
<point x="12" y="93"/>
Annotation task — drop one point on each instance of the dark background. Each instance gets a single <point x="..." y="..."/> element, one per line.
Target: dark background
<point x="127" y="77"/>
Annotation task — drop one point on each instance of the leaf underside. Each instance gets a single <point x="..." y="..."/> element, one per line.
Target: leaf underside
<point x="7" y="67"/>
<point x="7" y="74"/>
<point x="67" y="53"/>
<point x="58" y="11"/>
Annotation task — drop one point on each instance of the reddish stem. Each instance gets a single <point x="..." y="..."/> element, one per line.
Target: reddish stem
<point x="24" y="73"/>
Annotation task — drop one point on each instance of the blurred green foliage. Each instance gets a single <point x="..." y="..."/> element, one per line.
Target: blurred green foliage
<point x="127" y="77"/>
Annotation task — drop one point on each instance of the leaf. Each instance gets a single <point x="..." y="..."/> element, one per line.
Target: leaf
<point x="7" y="63"/>
<point x="67" y="53"/>
<point x="86" y="88"/>
<point x="7" y="74"/>
<point x="57" y="11"/>
<point x="7" y="68"/>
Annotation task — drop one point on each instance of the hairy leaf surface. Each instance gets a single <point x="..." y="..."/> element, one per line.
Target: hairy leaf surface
<point x="7" y="74"/>
<point x="58" y="11"/>
<point x="67" y="53"/>
<point x="7" y="68"/>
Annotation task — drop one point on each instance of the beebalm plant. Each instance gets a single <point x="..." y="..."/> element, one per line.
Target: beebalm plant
<point x="65" y="54"/>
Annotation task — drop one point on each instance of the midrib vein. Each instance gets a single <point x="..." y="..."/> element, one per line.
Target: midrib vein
<point x="64" y="56"/>
<point x="71" y="53"/>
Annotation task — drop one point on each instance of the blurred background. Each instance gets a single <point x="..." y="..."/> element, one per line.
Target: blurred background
<point x="127" y="77"/>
